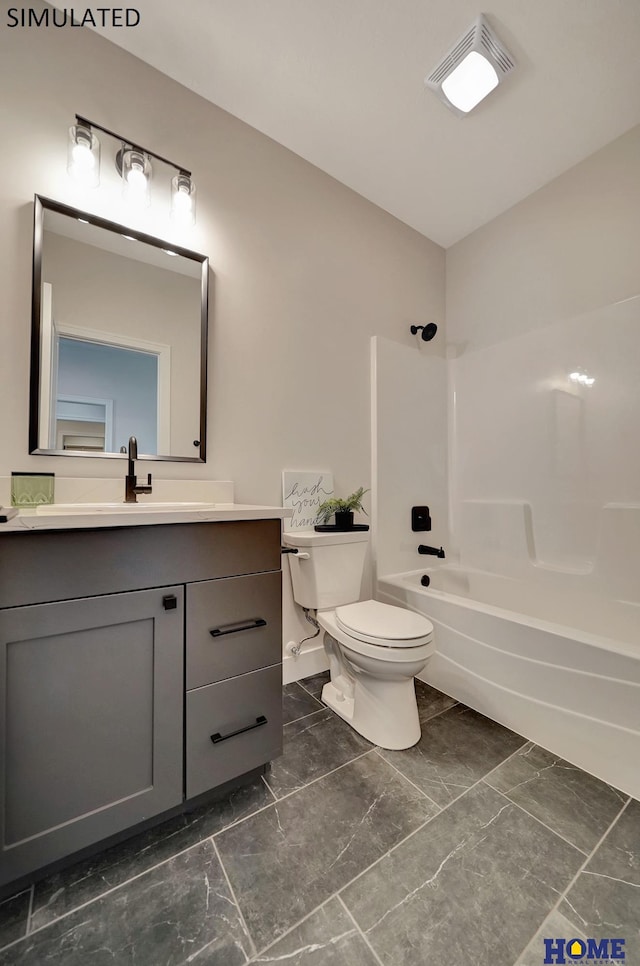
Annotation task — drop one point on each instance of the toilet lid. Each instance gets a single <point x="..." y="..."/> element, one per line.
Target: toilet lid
<point x="391" y="626"/>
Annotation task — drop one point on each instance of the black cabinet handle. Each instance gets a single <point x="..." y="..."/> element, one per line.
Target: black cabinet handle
<point x="170" y="602"/>
<point x="260" y="720"/>
<point x="236" y="628"/>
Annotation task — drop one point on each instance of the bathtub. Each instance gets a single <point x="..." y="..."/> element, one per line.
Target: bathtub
<point x="559" y="668"/>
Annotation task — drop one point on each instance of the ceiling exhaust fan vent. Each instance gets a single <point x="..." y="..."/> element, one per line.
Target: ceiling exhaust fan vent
<point x="471" y="69"/>
<point x="490" y="43"/>
<point x="453" y="58"/>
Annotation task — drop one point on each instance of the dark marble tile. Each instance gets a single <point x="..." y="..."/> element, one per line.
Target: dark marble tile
<point x="555" y="926"/>
<point x="296" y="703"/>
<point x="430" y="701"/>
<point x="469" y="888"/>
<point x="327" y="938"/>
<point x="603" y="907"/>
<point x="605" y="899"/>
<point x="314" y="746"/>
<point x="457" y="748"/>
<point x="619" y="854"/>
<point x="315" y="683"/>
<point x="291" y="857"/>
<point x="571" y="802"/>
<point x="14" y="913"/>
<point x="88" y="879"/>
<point x="160" y="919"/>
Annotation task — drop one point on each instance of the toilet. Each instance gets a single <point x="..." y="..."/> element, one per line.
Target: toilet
<point x="375" y="650"/>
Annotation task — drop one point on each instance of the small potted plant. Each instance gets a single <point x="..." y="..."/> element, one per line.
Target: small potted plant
<point x="343" y="509"/>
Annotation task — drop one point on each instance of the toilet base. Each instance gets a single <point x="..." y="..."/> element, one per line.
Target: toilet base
<point x="334" y="699"/>
<point x="383" y="712"/>
<point x="372" y="687"/>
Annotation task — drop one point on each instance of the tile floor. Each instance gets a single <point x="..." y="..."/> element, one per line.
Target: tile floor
<point x="466" y="850"/>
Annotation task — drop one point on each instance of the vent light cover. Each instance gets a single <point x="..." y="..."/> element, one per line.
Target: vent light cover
<point x="474" y="66"/>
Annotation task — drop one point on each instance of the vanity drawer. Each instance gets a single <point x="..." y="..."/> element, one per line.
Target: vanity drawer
<point x="66" y="564"/>
<point x="234" y="625"/>
<point x="244" y="715"/>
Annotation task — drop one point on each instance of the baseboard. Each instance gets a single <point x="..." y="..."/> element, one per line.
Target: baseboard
<point x="310" y="661"/>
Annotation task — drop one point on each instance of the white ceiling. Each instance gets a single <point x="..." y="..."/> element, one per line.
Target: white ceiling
<point x="340" y="82"/>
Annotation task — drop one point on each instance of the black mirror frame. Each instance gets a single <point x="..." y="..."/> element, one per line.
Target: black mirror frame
<point x="41" y="205"/>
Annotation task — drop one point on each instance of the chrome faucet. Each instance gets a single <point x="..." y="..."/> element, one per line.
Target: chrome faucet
<point x="131" y="486"/>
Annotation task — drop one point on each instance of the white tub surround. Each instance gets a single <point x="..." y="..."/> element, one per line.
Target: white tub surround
<point x="560" y="668"/>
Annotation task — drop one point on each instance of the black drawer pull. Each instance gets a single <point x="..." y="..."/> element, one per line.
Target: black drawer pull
<point x="235" y="628"/>
<point x="261" y="720"/>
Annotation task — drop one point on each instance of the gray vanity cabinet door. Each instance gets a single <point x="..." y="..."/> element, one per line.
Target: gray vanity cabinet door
<point x="91" y="716"/>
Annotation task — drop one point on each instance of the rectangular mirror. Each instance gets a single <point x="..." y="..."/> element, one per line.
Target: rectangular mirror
<point x="119" y="340"/>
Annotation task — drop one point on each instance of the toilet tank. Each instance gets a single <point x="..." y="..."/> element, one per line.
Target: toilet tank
<point x="332" y="573"/>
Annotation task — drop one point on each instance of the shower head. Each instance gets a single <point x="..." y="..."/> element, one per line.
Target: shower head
<point x="428" y="331"/>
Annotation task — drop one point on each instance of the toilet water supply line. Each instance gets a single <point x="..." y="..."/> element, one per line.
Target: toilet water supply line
<point x="294" y="647"/>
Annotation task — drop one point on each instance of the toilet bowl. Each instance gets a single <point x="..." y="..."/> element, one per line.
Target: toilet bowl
<point x="374" y="649"/>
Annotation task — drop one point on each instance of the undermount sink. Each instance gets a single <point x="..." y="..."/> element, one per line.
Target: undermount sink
<point x="55" y="509"/>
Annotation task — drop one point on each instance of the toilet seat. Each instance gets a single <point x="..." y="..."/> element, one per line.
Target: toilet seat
<point x="383" y="625"/>
<point x="394" y="654"/>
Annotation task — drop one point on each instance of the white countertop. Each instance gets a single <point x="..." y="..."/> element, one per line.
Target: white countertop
<point x="113" y="516"/>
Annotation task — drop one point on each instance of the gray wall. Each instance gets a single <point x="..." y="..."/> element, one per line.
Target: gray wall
<point x="304" y="270"/>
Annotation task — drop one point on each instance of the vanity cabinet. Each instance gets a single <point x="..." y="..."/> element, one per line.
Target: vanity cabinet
<point x="93" y="721"/>
<point x="141" y="669"/>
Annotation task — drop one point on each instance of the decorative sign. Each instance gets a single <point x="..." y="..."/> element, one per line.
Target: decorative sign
<point x="303" y="492"/>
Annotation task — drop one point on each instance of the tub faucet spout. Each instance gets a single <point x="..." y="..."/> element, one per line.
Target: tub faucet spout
<point x="433" y="551"/>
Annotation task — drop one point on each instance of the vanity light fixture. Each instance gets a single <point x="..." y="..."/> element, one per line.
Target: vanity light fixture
<point x="582" y="378"/>
<point x="133" y="163"/>
<point x="471" y="69"/>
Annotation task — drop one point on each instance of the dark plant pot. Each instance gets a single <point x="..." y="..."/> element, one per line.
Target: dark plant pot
<point x="344" y="519"/>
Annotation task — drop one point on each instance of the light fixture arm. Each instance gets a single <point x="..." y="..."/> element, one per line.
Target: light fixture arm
<point x="132" y="144"/>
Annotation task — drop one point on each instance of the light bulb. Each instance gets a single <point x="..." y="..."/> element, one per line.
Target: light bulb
<point x="82" y="156"/>
<point x="136" y="178"/>
<point x="183" y="199"/>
